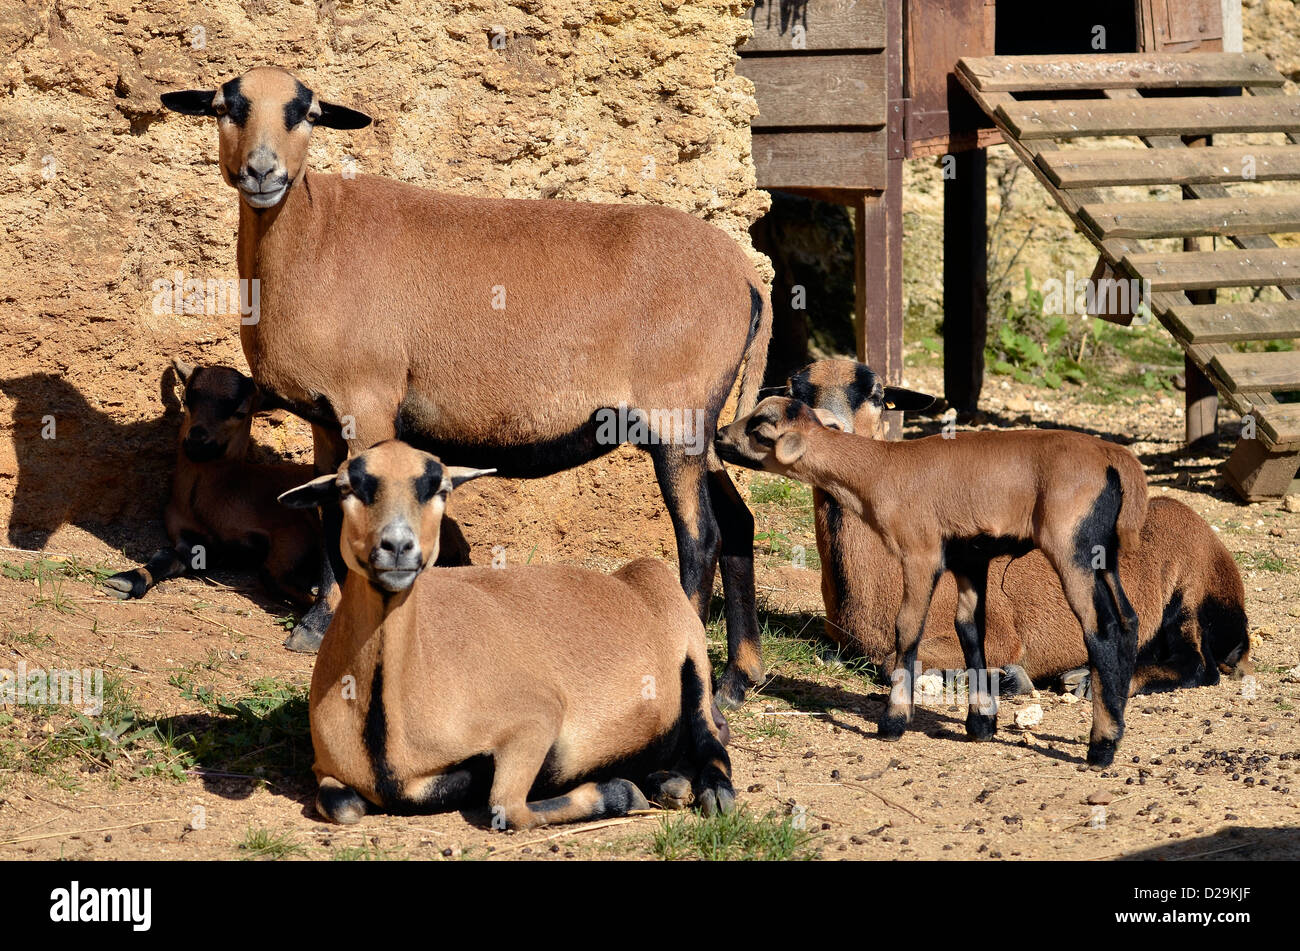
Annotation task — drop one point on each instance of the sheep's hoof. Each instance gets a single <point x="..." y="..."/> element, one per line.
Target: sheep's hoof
<point x="1077" y="682"/>
<point x="669" y="790"/>
<point x="1014" y="680"/>
<point x="305" y="642"/>
<point x="1101" y="753"/>
<point x="732" y="688"/>
<point x="717" y="798"/>
<point x="619" y="797"/>
<point x="339" y="803"/>
<point x="125" y="585"/>
<point x="892" y="727"/>
<point x="981" y="726"/>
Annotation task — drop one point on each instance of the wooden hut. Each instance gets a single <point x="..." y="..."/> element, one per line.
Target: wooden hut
<point x="847" y="89"/>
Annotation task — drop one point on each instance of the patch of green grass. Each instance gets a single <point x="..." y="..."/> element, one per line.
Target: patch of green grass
<point x="768" y="489"/>
<point x="736" y="836"/>
<point x="1263" y="561"/>
<point x="71" y="567"/>
<point x="262" y="732"/>
<point x="758" y="726"/>
<point x="1031" y="344"/>
<point x="784" y="506"/>
<point x="50" y="575"/>
<point x="367" y="852"/>
<point x="794" y="649"/>
<point x="32" y="638"/>
<point x="264" y="844"/>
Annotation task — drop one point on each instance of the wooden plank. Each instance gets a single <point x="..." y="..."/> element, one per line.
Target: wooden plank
<point x="1065" y="119"/>
<point x="1180" y="271"/>
<point x="1279" y="425"/>
<point x="817" y="25"/>
<point x="1257" y="214"/>
<point x="1088" y="168"/>
<point x="1119" y="71"/>
<point x="833" y="90"/>
<point x="1250" y="320"/>
<point x="848" y="159"/>
<point x="1260" y="372"/>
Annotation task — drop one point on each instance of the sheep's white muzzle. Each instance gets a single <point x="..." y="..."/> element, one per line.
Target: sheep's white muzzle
<point x="266" y="197"/>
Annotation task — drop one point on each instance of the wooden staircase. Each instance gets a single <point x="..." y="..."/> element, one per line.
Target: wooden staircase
<point x="1042" y="103"/>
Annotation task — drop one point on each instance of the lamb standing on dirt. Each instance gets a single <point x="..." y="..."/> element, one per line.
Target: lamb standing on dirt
<point x="1182" y="581"/>
<point x="956" y="503"/>
<point x="399" y="310"/>
<point x="554" y="681"/>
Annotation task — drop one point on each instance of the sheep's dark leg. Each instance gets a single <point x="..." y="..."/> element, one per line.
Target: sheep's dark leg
<point x="736" y="525"/>
<point x="165" y="563"/>
<point x="330" y="451"/>
<point x="982" y="713"/>
<point x="921" y="571"/>
<point x="683" y="479"/>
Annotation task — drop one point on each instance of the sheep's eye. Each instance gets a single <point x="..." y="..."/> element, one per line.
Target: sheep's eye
<point x="220" y="109"/>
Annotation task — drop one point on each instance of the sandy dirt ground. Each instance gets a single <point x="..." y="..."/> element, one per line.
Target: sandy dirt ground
<point x="1210" y="772"/>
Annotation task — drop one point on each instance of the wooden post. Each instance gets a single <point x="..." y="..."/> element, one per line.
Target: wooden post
<point x="965" y="279"/>
<point x="878" y="289"/>
<point x="881" y="236"/>
<point x="1200" y="398"/>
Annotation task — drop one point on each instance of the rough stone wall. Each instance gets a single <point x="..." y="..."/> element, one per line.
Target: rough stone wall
<point x="102" y="193"/>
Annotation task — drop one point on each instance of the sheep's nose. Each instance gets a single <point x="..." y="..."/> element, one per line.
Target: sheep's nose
<point x="397" y="543"/>
<point x="260" y="164"/>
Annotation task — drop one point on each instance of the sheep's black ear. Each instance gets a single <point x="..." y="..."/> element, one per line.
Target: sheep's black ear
<point x="322" y="490"/>
<point x="190" y="102"/>
<point x="341" y="117"/>
<point x="909" y="401"/>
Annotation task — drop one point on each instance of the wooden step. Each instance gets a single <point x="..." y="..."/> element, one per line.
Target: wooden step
<point x="1259" y="372"/>
<point x="1093" y="168"/>
<point x="1256" y="214"/>
<point x="1119" y="71"/>
<point x="1279" y="425"/>
<point x="1066" y="119"/>
<point x="1201" y="270"/>
<point x="1227" y="323"/>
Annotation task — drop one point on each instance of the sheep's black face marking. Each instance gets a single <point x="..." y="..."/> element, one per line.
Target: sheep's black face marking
<point x="364" y="485"/>
<point x="297" y="108"/>
<point x="429" y="484"/>
<point x="866" y="387"/>
<point x="234" y="105"/>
